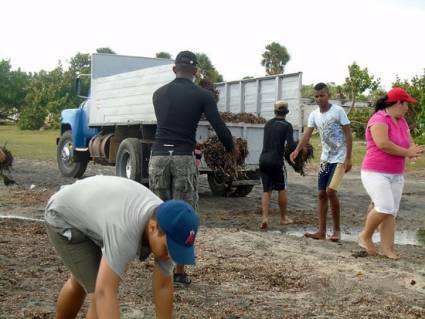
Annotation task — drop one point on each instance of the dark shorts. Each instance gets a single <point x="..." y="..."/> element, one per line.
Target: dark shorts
<point x="273" y="178"/>
<point x="330" y="176"/>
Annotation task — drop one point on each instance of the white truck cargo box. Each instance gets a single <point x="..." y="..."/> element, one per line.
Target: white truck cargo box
<point x="126" y="98"/>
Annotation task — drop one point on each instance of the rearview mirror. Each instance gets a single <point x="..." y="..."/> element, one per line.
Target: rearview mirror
<point x="82" y="86"/>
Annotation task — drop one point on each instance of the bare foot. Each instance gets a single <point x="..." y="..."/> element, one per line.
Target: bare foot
<point x="367" y="244"/>
<point x="389" y="254"/>
<point x="286" y="221"/>
<point x="319" y="236"/>
<point x="336" y="236"/>
<point x="264" y="225"/>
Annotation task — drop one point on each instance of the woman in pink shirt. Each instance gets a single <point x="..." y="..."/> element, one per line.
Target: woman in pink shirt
<point x="388" y="144"/>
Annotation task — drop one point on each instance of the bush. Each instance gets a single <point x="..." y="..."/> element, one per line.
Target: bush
<point x="52" y="121"/>
<point x="32" y="118"/>
<point x="420" y="139"/>
<point x="416" y="115"/>
<point x="359" y="118"/>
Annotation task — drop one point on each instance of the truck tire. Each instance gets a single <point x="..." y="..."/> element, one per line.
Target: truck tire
<point x="66" y="158"/>
<point x="218" y="184"/>
<point x="128" y="162"/>
<point x="243" y="190"/>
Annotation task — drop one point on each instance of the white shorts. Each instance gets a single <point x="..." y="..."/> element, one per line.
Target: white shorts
<point x="384" y="190"/>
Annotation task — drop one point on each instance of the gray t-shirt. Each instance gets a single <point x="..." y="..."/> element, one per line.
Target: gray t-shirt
<point x="329" y="125"/>
<point x="111" y="211"/>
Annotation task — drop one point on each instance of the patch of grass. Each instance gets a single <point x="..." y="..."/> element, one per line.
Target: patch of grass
<point x="421" y="236"/>
<point x="39" y="145"/>
<point x="359" y="150"/>
<point x="416" y="165"/>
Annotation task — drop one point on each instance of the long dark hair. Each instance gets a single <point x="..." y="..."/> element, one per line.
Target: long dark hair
<point x="382" y="103"/>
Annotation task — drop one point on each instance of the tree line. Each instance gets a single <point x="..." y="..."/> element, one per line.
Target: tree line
<point x="34" y="100"/>
<point x="360" y="85"/>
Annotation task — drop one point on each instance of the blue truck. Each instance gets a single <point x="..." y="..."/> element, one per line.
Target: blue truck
<point x="116" y="124"/>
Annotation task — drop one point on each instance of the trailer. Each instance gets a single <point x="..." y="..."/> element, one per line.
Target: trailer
<point x="116" y="124"/>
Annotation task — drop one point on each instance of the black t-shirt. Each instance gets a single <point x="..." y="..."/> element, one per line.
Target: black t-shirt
<point x="178" y="108"/>
<point x="277" y="132"/>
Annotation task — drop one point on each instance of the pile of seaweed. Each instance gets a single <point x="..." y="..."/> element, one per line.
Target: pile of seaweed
<point x="218" y="159"/>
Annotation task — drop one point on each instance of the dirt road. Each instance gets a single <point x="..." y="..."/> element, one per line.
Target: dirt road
<point x="241" y="272"/>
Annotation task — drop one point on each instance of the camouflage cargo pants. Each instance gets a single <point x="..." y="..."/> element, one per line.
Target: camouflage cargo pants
<point x="174" y="177"/>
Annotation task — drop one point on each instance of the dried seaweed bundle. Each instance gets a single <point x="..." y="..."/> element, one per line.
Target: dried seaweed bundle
<point x="6" y="158"/>
<point x="218" y="159"/>
<point x="304" y="156"/>
<point x="230" y="117"/>
<point x="6" y="162"/>
<point x="242" y="117"/>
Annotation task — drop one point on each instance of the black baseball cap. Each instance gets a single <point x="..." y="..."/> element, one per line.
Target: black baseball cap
<point x="186" y="57"/>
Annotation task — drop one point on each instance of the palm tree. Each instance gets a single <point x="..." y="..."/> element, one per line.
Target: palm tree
<point x="275" y="58"/>
<point x="206" y="69"/>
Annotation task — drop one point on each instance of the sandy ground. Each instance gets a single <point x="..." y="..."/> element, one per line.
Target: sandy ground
<point x="242" y="272"/>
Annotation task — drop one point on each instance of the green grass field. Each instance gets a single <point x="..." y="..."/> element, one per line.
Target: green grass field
<point x="359" y="149"/>
<point x="41" y="145"/>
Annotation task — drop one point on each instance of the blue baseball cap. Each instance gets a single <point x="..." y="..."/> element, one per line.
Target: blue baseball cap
<point x="178" y="220"/>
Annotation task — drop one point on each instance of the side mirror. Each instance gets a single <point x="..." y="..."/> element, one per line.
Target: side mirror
<point x="78" y="86"/>
<point x="82" y="89"/>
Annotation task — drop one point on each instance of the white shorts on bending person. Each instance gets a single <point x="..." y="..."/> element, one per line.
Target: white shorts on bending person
<point x="384" y="189"/>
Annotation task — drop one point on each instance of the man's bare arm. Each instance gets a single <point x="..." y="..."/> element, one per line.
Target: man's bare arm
<point x="106" y="291"/>
<point x="162" y="294"/>
<point x="349" y="144"/>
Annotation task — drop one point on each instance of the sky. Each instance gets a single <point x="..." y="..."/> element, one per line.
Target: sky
<point x="322" y="37"/>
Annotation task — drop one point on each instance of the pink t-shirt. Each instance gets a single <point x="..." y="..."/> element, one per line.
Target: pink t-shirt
<point x="376" y="159"/>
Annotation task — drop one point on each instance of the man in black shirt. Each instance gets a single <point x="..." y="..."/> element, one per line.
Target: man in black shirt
<point x="277" y="132"/>
<point x="178" y="108"/>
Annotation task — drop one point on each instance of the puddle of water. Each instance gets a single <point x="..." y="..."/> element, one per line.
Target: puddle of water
<point x="16" y="217"/>
<point x="402" y="237"/>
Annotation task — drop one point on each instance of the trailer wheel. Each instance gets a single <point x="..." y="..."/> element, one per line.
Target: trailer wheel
<point x="218" y="184"/>
<point x="66" y="158"/>
<point x="128" y="159"/>
<point x="243" y="190"/>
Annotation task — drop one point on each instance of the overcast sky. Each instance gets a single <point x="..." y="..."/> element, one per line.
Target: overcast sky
<point x="322" y="37"/>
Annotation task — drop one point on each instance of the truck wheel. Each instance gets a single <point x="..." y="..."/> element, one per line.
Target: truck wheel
<point x="128" y="163"/>
<point x="66" y="159"/>
<point x="218" y="184"/>
<point x="243" y="190"/>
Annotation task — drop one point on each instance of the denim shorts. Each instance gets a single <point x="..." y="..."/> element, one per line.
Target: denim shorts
<point x="330" y="176"/>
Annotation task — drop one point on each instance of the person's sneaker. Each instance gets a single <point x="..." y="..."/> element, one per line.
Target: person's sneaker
<point x="182" y="279"/>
